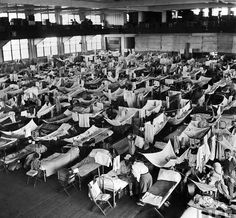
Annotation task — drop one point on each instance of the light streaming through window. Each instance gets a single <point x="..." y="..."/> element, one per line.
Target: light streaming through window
<point x="73" y="45"/>
<point x="47" y="47"/>
<point x="16" y="49"/>
<point x="94" y="42"/>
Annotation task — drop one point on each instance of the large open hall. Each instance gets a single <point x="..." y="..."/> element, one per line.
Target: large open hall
<point x="118" y="109"/>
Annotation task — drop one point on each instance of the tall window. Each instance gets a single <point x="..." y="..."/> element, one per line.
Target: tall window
<point x="37" y="17"/>
<point x="94" y="42"/>
<point x="96" y="19"/>
<point x="47" y="47"/>
<point x="234" y="11"/>
<point x="205" y="12"/>
<point x="16" y="49"/>
<point x="41" y="17"/>
<point x="67" y="18"/>
<point x="196" y="11"/>
<point x="21" y="15"/>
<point x="73" y="45"/>
<point x="223" y="11"/>
<point x="3" y="15"/>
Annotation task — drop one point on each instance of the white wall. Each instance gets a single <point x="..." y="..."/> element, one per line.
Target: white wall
<point x="203" y="42"/>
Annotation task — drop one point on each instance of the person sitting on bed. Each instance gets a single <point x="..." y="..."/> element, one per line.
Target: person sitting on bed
<point x="215" y="178"/>
<point x="229" y="168"/>
<point x="28" y="160"/>
<point x="124" y="173"/>
<point x="36" y="163"/>
<point x="142" y="175"/>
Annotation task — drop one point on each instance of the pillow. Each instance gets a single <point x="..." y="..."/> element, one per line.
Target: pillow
<point x="95" y="151"/>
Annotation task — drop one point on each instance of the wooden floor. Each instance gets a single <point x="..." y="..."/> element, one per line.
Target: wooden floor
<point x="17" y="199"/>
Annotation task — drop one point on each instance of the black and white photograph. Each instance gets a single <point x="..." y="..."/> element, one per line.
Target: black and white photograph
<point x="118" y="109"/>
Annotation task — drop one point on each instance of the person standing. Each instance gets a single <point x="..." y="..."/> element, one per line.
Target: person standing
<point x="229" y="167"/>
<point x="143" y="177"/>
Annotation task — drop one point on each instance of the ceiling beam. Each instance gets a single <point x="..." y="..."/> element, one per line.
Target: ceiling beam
<point x="135" y="3"/>
<point x="70" y="3"/>
<point x="155" y="8"/>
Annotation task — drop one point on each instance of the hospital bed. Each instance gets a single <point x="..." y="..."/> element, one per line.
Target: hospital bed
<point x="161" y="190"/>
<point x="87" y="165"/>
<point x="53" y="163"/>
<point x="111" y="182"/>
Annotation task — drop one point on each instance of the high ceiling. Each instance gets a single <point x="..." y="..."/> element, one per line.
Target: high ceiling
<point x="112" y="5"/>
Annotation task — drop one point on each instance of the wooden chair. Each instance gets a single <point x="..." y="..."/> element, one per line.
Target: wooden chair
<point x="98" y="197"/>
<point x="66" y="179"/>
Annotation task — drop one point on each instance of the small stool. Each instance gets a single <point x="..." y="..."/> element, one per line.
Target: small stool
<point x="32" y="174"/>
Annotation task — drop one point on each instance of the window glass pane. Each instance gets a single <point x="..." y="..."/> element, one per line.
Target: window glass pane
<point x="77" y="18"/>
<point x="7" y="52"/>
<point x="24" y="48"/>
<point x="7" y="55"/>
<point x="196" y="11"/>
<point x="98" y="42"/>
<point x="234" y="11"/>
<point x="44" y="17"/>
<point x="78" y="47"/>
<point x="15" y="49"/>
<point x="224" y="11"/>
<point x="7" y="46"/>
<point x="12" y="16"/>
<point x="16" y="54"/>
<point x="72" y="48"/>
<point x="215" y="11"/>
<point x="65" y="19"/>
<point x="24" y="53"/>
<point x="47" y="50"/>
<point x="3" y="15"/>
<point x="21" y="15"/>
<point x="67" y="47"/>
<point x="205" y="12"/>
<point x="70" y="18"/>
<point x="54" y="50"/>
<point x="52" y="18"/>
<point x="37" y="17"/>
<point x="40" y="51"/>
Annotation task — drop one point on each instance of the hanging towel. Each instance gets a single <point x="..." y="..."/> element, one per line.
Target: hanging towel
<point x="116" y="163"/>
<point x="84" y="120"/>
<point x="203" y="156"/>
<point x="103" y="159"/>
<point x="75" y="116"/>
<point x="139" y="142"/>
